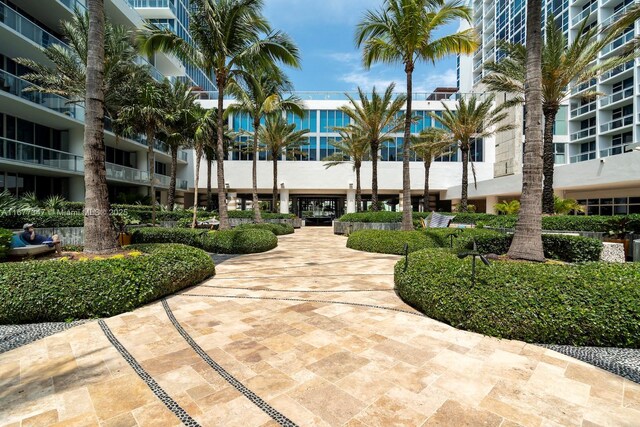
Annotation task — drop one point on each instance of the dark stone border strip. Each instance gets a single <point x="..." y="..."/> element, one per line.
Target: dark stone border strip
<point x="15" y="336"/>
<point x="261" y="404"/>
<point x="354" y="304"/>
<point x="294" y="291"/>
<point x="171" y="404"/>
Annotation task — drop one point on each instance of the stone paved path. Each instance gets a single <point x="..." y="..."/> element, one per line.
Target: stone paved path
<point x="294" y="337"/>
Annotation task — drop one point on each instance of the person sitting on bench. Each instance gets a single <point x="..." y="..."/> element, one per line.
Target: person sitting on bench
<point x="30" y="237"/>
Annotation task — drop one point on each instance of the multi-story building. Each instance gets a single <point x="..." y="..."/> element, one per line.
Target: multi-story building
<point x="41" y="135"/>
<point x="601" y="132"/>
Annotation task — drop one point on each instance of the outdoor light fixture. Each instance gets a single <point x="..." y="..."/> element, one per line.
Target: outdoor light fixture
<point x="227" y="186"/>
<point x="474" y="254"/>
<point x="351" y="186"/>
<point x="454" y="235"/>
<point x="282" y="185"/>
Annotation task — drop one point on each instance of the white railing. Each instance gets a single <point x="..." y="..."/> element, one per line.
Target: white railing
<point x="617" y="70"/>
<point x="586" y="12"/>
<point x="616" y="97"/>
<point x="584" y="133"/>
<point x="613" y="18"/>
<point x="27" y="28"/>
<point x="620" y="41"/>
<point x="583" y="109"/>
<point x="582" y="157"/>
<point x="617" y="123"/>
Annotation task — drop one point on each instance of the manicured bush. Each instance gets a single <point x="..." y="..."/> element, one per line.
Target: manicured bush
<point x="59" y="290"/>
<point x="265" y="215"/>
<point x="596" y="304"/>
<point x="556" y="246"/>
<point x="220" y="242"/>
<point x="277" y="229"/>
<point x="381" y="216"/>
<point x="5" y="243"/>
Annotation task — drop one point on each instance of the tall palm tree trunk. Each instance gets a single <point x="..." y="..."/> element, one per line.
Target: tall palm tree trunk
<point x="427" y="170"/>
<point x="209" y="197"/>
<point x="407" y="217"/>
<point x="222" y="194"/>
<point x="548" y="205"/>
<point x="527" y="239"/>
<point x="254" y="171"/>
<point x="374" y="176"/>
<point x="99" y="235"/>
<point x="171" y="199"/>
<point x="194" y="222"/>
<point x="152" y="168"/>
<point x="464" y="197"/>
<point x="274" y="199"/>
<point x="358" y="188"/>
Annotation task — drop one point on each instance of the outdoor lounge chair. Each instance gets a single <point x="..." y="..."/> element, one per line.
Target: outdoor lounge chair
<point x="436" y="220"/>
<point x="210" y="223"/>
<point x="26" y="250"/>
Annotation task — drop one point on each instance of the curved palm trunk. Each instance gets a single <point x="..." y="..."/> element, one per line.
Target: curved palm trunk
<point x="274" y="199"/>
<point x="357" y="166"/>
<point x="171" y="199"/>
<point x="209" y="201"/>
<point x="254" y="171"/>
<point x="407" y="217"/>
<point x="548" y="205"/>
<point x="222" y="194"/>
<point x="98" y="230"/>
<point x="152" y="168"/>
<point x="374" y="176"/>
<point x="427" y="170"/>
<point x="527" y="239"/>
<point x="194" y="222"/>
<point x="464" y="197"/>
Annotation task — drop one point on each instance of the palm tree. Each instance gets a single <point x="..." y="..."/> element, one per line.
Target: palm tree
<point x="209" y="154"/>
<point x="404" y="31"/>
<point x="376" y="119"/>
<point x="277" y="136"/>
<point x="261" y="93"/>
<point x="180" y="99"/>
<point x="527" y="239"/>
<point x="563" y="66"/>
<point x="202" y="130"/>
<point x="227" y="37"/>
<point x="472" y="120"/>
<point x="353" y="147"/>
<point x="431" y="143"/>
<point x="146" y="114"/>
<point x="98" y="229"/>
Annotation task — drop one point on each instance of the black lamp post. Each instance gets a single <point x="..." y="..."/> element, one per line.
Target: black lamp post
<point x="474" y="254"/>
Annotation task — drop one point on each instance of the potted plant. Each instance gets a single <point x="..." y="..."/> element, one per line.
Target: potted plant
<point x="619" y="232"/>
<point x="121" y="221"/>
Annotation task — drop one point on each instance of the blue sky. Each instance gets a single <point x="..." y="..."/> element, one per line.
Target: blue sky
<point x="324" y="31"/>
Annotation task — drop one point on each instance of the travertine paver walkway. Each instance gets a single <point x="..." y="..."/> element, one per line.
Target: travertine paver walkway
<point x="266" y="342"/>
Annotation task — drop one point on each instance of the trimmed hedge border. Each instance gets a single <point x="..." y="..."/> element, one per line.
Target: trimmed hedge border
<point x="592" y="304"/>
<point x="5" y="243"/>
<point x="219" y="242"/>
<point x="60" y="290"/>
<point x="277" y="229"/>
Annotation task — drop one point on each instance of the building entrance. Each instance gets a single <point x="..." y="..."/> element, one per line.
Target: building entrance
<point x="319" y="211"/>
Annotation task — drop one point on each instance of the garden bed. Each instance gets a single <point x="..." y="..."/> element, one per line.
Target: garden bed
<point x="62" y="290"/>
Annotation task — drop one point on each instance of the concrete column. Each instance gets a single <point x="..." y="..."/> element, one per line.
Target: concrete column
<point x="400" y="201"/>
<point x="76" y="189"/>
<point x="284" y="201"/>
<point x="164" y="196"/>
<point x="232" y="203"/>
<point x="351" y="201"/>
<point x="491" y="203"/>
<point x="454" y="203"/>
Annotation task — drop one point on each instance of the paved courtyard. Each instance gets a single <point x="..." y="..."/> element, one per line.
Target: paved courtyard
<point x="309" y="334"/>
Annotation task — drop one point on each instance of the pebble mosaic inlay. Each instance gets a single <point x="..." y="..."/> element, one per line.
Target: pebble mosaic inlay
<point x="254" y="398"/>
<point x="171" y="404"/>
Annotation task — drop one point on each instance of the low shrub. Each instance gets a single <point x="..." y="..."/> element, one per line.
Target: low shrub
<point x="5" y="243"/>
<point x="556" y="246"/>
<point x="595" y="304"/>
<point x="277" y="229"/>
<point x="381" y="216"/>
<point x="59" y="290"/>
<point x="220" y="242"/>
<point x="265" y="215"/>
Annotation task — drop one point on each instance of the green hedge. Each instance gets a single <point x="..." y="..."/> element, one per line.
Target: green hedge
<point x="265" y="215"/>
<point x="392" y="242"/>
<point x="277" y="229"/>
<point x="59" y="290"/>
<point x="219" y="242"/>
<point x="5" y="243"/>
<point x="596" y="304"/>
<point x="556" y="246"/>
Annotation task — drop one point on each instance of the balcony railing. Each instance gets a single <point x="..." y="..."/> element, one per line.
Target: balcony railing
<point x="183" y="184"/>
<point x="28" y="91"/>
<point x="620" y="41"/>
<point x="153" y="71"/>
<point x="582" y="157"/>
<point x="617" y="70"/>
<point x="591" y="84"/>
<point x="613" y="151"/>
<point x="73" y="4"/>
<point x="616" y="16"/>
<point x="153" y="4"/>
<point x="616" y="97"/>
<point x="584" y="133"/>
<point x="184" y="156"/>
<point x="617" y="123"/>
<point x="583" y="109"/>
<point x="23" y="152"/>
<point x="586" y="12"/>
<point x="26" y="28"/>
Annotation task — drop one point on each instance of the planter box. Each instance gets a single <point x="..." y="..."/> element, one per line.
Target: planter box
<point x="344" y="228"/>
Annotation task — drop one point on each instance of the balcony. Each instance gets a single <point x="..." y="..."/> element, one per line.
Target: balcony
<point x="629" y="65"/>
<point x="27" y="28"/>
<point x="582" y="157"/>
<point x="150" y="9"/>
<point x="584" y="14"/>
<point x="616" y="97"/>
<point x="183" y="184"/>
<point x="73" y="4"/>
<point x="614" y="151"/>
<point x="590" y="85"/>
<point x="616" y="124"/>
<point x="581" y="110"/>
<point x="183" y="156"/>
<point x="613" y="18"/>
<point x="583" y="134"/>
<point x="153" y="71"/>
<point x="619" y="42"/>
<point x="23" y="152"/>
